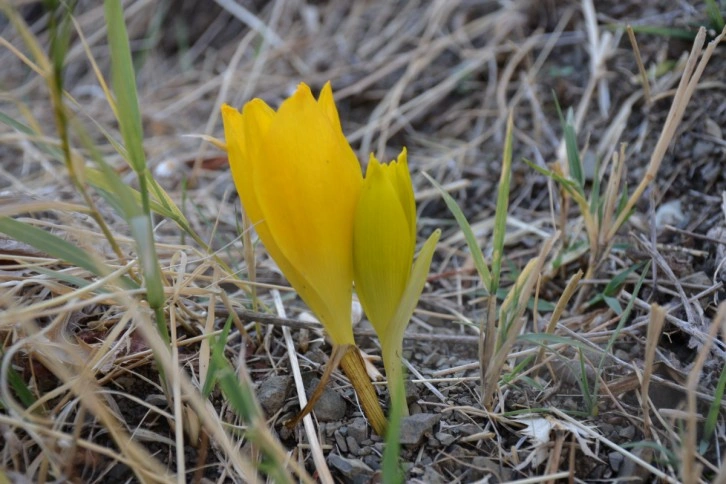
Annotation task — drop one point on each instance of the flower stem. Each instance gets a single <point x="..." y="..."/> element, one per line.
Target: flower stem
<point x="354" y="368"/>
<point x="394" y="374"/>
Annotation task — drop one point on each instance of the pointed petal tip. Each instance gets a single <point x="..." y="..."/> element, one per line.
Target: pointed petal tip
<point x="327" y="91"/>
<point x="226" y="108"/>
<point x="403" y="157"/>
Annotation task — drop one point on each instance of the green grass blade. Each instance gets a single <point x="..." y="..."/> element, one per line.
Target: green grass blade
<point x="616" y="332"/>
<point x="476" y="253"/>
<point x="589" y="398"/>
<point x="17" y="383"/>
<point x="46" y="148"/>
<point x="714" y="14"/>
<point x="55" y="247"/>
<point x="596" y="201"/>
<point x="664" y="31"/>
<point x="67" y="278"/>
<point x="129" y="118"/>
<point x="714" y="411"/>
<point x="144" y="236"/>
<point x="124" y="85"/>
<point x="500" y="217"/>
<point x="216" y="357"/>
<point x="109" y="182"/>
<point x="573" y="155"/>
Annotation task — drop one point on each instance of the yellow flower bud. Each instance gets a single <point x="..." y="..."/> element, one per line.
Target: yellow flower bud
<point x="387" y="280"/>
<point x="384" y="239"/>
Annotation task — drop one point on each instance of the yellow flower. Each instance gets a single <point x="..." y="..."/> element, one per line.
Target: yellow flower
<point x="387" y="280"/>
<point x="299" y="182"/>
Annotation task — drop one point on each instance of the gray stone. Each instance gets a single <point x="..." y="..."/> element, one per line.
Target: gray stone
<point x="444" y="438"/>
<point x="273" y="392"/>
<point x="414" y="427"/>
<point x="330" y="407"/>
<point x="358" y="429"/>
<point x="372" y="461"/>
<point x="340" y="440"/>
<point x="412" y="392"/>
<point x="433" y="477"/>
<point x="353" y="446"/>
<point x="701" y="149"/>
<point x="616" y="460"/>
<point x="627" y="432"/>
<point x="468" y="429"/>
<point x="352" y="470"/>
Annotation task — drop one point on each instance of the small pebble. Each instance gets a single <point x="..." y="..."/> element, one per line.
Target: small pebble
<point x="616" y="460"/>
<point x="358" y="429"/>
<point x="272" y="393"/>
<point x="414" y="427"/>
<point x="340" y="441"/>
<point x="444" y="438"/>
<point x="330" y="407"/>
<point x="353" y="470"/>
<point x="353" y="446"/>
<point x="627" y="432"/>
<point x="372" y="461"/>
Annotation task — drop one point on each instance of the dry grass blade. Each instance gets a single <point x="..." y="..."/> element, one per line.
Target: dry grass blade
<point x="641" y="68"/>
<point x="320" y="466"/>
<point x="510" y="314"/>
<point x="655" y="328"/>
<point x="560" y="308"/>
<point x="691" y="471"/>
<point x="689" y="82"/>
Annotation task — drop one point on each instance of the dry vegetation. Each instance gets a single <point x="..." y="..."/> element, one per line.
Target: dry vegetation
<point x="610" y="357"/>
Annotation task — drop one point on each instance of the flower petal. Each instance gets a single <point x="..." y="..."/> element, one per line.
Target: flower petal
<point x="327" y="104"/>
<point x="404" y="188"/>
<point x="382" y="245"/>
<point x="307" y="187"/>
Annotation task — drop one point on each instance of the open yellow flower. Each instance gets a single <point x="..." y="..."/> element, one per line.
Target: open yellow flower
<point x="299" y="182"/>
<point x="387" y="280"/>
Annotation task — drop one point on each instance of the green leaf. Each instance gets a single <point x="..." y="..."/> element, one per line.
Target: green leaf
<point x="124" y="85"/>
<point x="70" y="279"/>
<point x="35" y="137"/>
<point x="119" y="194"/>
<point x="476" y="253"/>
<point x="613" y="304"/>
<point x="143" y="234"/>
<point x="500" y="216"/>
<point x="595" y="199"/>
<point x="240" y="398"/>
<point x="714" y="13"/>
<point x="392" y="339"/>
<point x="542" y="305"/>
<point x="216" y="357"/>
<point x="21" y="389"/>
<point x="573" y="155"/>
<point x="714" y="411"/>
<point x="663" y="31"/>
